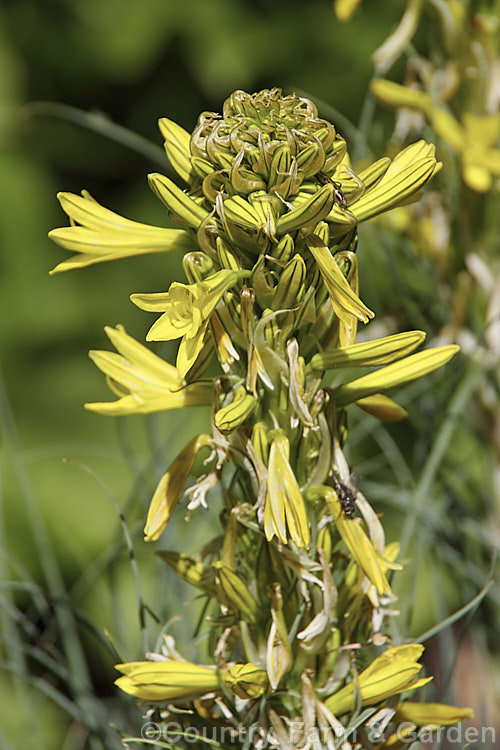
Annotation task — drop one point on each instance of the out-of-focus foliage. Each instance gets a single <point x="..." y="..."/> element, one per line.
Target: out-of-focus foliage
<point x="133" y="62"/>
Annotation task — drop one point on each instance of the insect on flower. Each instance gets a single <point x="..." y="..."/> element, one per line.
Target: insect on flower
<point x="323" y="179"/>
<point x="346" y="496"/>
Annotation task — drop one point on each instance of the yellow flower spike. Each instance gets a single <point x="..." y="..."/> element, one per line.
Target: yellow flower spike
<point x="344" y="301"/>
<point x="162" y="681"/>
<point x="284" y="506"/>
<point x="245" y="680"/>
<point x="97" y="234"/>
<point x="391" y="673"/>
<point x="377" y="352"/>
<point x="229" y="417"/>
<point x="144" y="381"/>
<point x="431" y="714"/>
<point x="171" y="486"/>
<point x="177" y="148"/>
<point x="398" y="373"/>
<point x="179" y="204"/>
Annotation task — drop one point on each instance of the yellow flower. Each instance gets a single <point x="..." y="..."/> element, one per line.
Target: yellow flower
<point x="166" y="680"/>
<point x="431" y="714"/>
<point x="284" y="505"/>
<point x="162" y="681"/>
<point x="97" y="234"/>
<point x="400" y="182"/>
<point x="186" y="312"/>
<point x="475" y="139"/>
<point x="411" y="715"/>
<point x="143" y="381"/>
<point x="171" y="487"/>
<point x="391" y="673"/>
<point x="480" y="152"/>
<point x="373" y="564"/>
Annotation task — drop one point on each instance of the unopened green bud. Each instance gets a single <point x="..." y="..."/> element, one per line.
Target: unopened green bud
<point x="284" y="249"/>
<point x="312" y="210"/>
<point x="290" y="288"/>
<point x="235" y="592"/>
<point x="177" y="148"/>
<point x="227" y="257"/>
<point x="235" y="413"/>
<point x="244" y="180"/>
<point x="181" y="207"/>
<point x="260" y="441"/>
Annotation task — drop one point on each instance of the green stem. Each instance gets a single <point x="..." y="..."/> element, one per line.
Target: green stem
<point x="100" y="124"/>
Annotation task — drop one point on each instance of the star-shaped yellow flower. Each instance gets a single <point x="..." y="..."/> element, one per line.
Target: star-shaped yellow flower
<point x="143" y="381"/>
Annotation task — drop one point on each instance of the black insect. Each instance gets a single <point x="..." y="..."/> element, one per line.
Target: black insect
<point x="346" y="495"/>
<point x="323" y="179"/>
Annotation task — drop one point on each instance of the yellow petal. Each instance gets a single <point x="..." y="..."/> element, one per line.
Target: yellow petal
<point x="382" y="407"/>
<point x="398" y="373"/>
<point x="176" y="145"/>
<point x="344" y="301"/>
<point x="179" y="203"/>
<point x="166" y="680"/>
<point x="476" y="177"/>
<point x="395" y="187"/>
<point x="284" y="504"/>
<point x="144" y="382"/>
<point x="431" y="714"/>
<point x="189" y="349"/>
<point x="171" y="487"/>
<point x="396" y="95"/>
<point x="369" y="560"/>
<point x="376" y="352"/>
<point x="390" y="673"/>
<point x="448" y="128"/>
<point x="484" y="131"/>
<point x="98" y="234"/>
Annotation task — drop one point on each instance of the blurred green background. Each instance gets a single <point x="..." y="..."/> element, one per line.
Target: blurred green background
<point x="65" y="565"/>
